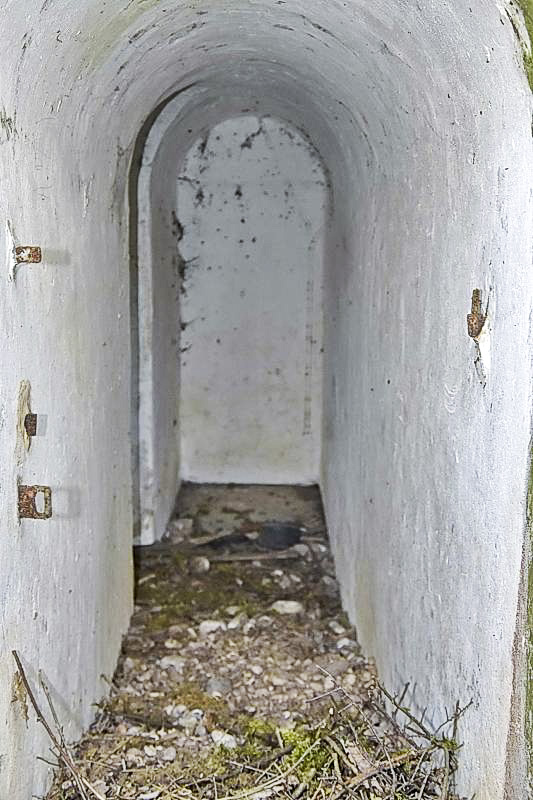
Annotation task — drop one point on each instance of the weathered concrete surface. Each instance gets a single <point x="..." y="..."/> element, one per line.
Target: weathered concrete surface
<point x="252" y="199"/>
<point x="422" y="114"/>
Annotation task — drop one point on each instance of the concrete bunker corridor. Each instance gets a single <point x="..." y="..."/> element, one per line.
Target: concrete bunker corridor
<point x="233" y="331"/>
<point x="419" y="114"/>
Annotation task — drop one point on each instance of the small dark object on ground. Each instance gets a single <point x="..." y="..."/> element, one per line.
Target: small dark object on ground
<point x="279" y="535"/>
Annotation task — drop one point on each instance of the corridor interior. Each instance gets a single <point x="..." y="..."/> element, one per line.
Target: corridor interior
<point x="278" y="247"/>
<point x="241" y="675"/>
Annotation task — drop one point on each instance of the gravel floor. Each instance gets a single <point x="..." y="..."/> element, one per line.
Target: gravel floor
<point x="234" y="649"/>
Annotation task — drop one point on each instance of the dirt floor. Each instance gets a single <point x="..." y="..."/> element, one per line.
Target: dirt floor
<point x="241" y="676"/>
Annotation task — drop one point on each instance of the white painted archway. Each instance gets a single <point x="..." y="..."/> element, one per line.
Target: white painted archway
<point x="280" y="440"/>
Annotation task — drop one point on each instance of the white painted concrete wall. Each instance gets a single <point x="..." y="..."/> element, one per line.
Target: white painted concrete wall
<point x="157" y="319"/>
<point x="252" y="199"/>
<point x="422" y="114"/>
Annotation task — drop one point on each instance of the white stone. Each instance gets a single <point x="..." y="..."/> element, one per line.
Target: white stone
<point x="301" y="549"/>
<point x="199" y="565"/>
<point x="183" y="525"/>
<point x="236" y="622"/>
<point x="188" y="722"/>
<point x="168" y="754"/>
<point x="134" y="757"/>
<point x="179" y="530"/>
<point x="346" y="644"/>
<point x="209" y="626"/>
<point x="175" y="710"/>
<point x="336" y="627"/>
<point x="223" y="739"/>
<point x="175" y="662"/>
<point x="218" y="687"/>
<point x="248" y="626"/>
<point x="287" y="607"/>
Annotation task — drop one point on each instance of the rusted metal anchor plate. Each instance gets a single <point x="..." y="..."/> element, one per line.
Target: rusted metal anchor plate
<point x="27" y="502"/>
<point x="28" y="255"/>
<point x="30" y="424"/>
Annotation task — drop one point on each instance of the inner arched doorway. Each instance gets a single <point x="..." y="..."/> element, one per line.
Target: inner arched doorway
<point x="233" y="229"/>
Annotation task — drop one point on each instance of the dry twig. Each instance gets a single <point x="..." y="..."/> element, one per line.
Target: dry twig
<point x="61" y="751"/>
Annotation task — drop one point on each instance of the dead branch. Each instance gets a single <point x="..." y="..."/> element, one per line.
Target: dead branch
<point x="62" y="754"/>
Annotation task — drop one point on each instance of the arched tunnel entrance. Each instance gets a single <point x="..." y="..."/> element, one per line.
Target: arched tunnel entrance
<point x="231" y="327"/>
<point x="404" y="130"/>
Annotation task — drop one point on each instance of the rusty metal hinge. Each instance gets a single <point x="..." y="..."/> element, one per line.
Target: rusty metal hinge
<point x="28" y="254"/>
<point x="27" y="502"/>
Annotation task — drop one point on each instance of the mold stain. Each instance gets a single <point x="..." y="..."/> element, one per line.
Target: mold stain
<point x="8" y="126"/>
<point x="308" y="365"/>
<point x="526" y="6"/>
<point x="102" y="38"/>
<point x="247" y="143"/>
<point x="19" y="696"/>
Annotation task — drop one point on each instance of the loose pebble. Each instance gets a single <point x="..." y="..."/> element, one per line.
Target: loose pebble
<point x="175" y="662"/>
<point x="223" y="739"/>
<point x="209" y="626"/>
<point x="301" y="549"/>
<point x="179" y="530"/>
<point x="134" y="757"/>
<point x="287" y="607"/>
<point x="169" y="754"/>
<point x="237" y="622"/>
<point x="218" y="687"/>
<point x="188" y="722"/>
<point x="345" y="643"/>
<point x="199" y="565"/>
<point x="337" y="629"/>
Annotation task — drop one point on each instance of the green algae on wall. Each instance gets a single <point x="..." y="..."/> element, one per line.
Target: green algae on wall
<point x="527" y="10"/>
<point x="104" y="38"/>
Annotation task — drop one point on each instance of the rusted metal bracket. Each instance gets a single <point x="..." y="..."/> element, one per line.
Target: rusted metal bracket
<point x="28" y="254"/>
<point x="30" y="424"/>
<point x="476" y="319"/>
<point x="19" y="254"/>
<point x="27" y="496"/>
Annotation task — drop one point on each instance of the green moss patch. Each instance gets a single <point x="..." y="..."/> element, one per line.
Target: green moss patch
<point x="527" y="9"/>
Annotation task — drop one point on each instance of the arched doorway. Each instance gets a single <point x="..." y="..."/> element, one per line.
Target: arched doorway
<point x="232" y="233"/>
